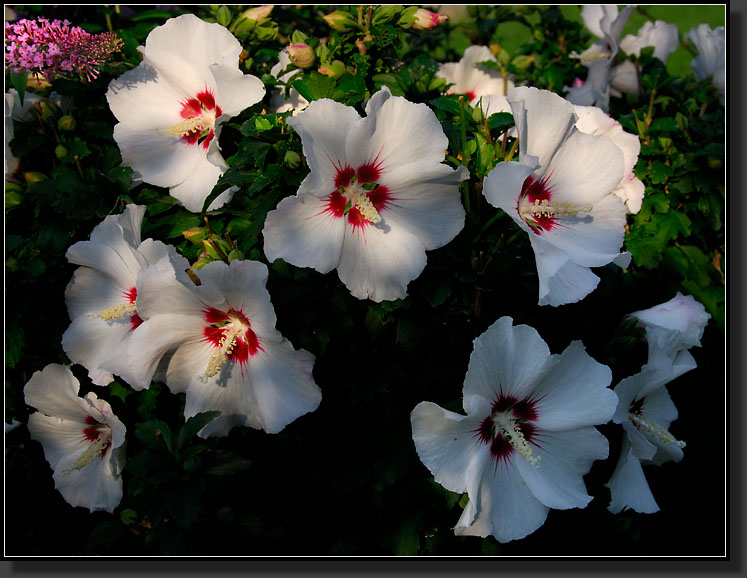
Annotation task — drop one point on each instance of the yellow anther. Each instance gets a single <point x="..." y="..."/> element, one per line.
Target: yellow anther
<point x="365" y="206"/>
<point x="116" y="312"/>
<point x="653" y="430"/>
<point x="94" y="450"/>
<point x="202" y="122"/>
<point x="235" y="328"/>
<point x="515" y="437"/>
<point x="544" y="208"/>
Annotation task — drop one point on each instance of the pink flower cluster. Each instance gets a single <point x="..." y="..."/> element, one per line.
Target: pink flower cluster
<point x="48" y="48"/>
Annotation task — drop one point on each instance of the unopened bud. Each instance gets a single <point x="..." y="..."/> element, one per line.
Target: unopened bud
<point x="334" y="69"/>
<point x="34" y="176"/>
<point x="383" y="14"/>
<point x="195" y="236"/>
<point x="301" y="54"/>
<point x="425" y="19"/>
<point x="258" y="13"/>
<point x="340" y="20"/>
<point x="60" y="152"/>
<point x="66" y="122"/>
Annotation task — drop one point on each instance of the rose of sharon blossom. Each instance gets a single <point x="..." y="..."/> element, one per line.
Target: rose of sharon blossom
<point x="605" y="22"/>
<point x="221" y="347"/>
<point x="645" y="411"/>
<point x="483" y="86"/>
<point x="171" y="106"/>
<point x="83" y="440"/>
<point x="101" y="296"/>
<point x="561" y="193"/>
<point x="593" y="120"/>
<point x="711" y="58"/>
<point x="672" y="328"/>
<point x="377" y="197"/>
<point x="661" y="35"/>
<point x="528" y="437"/>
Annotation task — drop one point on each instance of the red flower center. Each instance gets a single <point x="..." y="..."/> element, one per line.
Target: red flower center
<point x="358" y="196"/>
<point x="200" y="114"/>
<point x="231" y="335"/>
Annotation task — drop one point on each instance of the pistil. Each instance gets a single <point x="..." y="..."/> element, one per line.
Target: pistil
<point x="234" y="329"/>
<point x="510" y="430"/>
<point x="653" y="430"/>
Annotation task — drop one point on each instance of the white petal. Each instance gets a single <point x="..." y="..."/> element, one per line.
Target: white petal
<point x="304" y="233"/>
<point x="199" y="183"/>
<point x="158" y="158"/>
<point x="143" y="100"/>
<point x="595" y="238"/>
<point x="236" y="91"/>
<point x="185" y="44"/>
<point x="397" y="132"/>
<point x="283" y="385"/>
<point x="90" y="341"/>
<point x="162" y="288"/>
<point x="90" y="291"/>
<point x="624" y="78"/>
<point x="506" y="359"/>
<point x="501" y="505"/>
<point x="378" y="262"/>
<point x="153" y="339"/>
<point x="575" y="393"/>
<point x="543" y="121"/>
<point x="628" y="485"/>
<point x="593" y="14"/>
<point x="445" y="443"/>
<point x="502" y="187"/>
<point x="561" y="280"/>
<point x="54" y="391"/>
<point x="564" y="459"/>
<point x="585" y="169"/>
<point x="426" y="201"/>
<point x="324" y="141"/>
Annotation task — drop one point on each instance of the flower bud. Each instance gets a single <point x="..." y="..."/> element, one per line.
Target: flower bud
<point x="258" y="13"/>
<point x="425" y="19"/>
<point x="383" y="14"/>
<point x="66" y="122"/>
<point x="34" y="177"/>
<point x="60" y="152"/>
<point x="340" y="20"/>
<point x="195" y="236"/>
<point x="334" y="69"/>
<point x="301" y="54"/>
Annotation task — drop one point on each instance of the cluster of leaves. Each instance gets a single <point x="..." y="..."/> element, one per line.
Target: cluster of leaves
<point x="346" y="479"/>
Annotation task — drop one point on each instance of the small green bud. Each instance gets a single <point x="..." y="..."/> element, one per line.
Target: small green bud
<point x="292" y="159"/>
<point x="407" y="18"/>
<point x="334" y="69"/>
<point x="195" y="236"/>
<point x="66" y="122"/>
<point x="301" y="54"/>
<point x="340" y="20"/>
<point x="34" y="177"/>
<point x="266" y="33"/>
<point x="60" y="152"/>
<point x="383" y="14"/>
<point x="258" y="13"/>
<point x="522" y="61"/>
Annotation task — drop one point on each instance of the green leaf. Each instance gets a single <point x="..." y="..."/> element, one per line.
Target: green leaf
<point x="448" y="103"/>
<point x="19" y="80"/>
<point x="262" y="123"/>
<point x="13" y="346"/>
<point x="659" y="172"/>
<point x="193" y="425"/>
<point x="700" y="265"/>
<point x="664" y="124"/>
<point x="185" y="501"/>
<point x="128" y="517"/>
<point x="437" y="290"/>
<point x="500" y="121"/>
<point x="225" y="463"/>
<point x="156" y="435"/>
<point x="118" y="390"/>
<point x="314" y="86"/>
